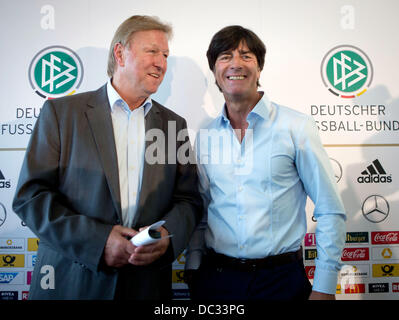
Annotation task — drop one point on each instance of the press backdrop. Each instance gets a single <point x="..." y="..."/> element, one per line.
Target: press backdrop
<point x="336" y="60"/>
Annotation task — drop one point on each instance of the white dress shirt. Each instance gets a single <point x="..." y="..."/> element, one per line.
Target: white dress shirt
<point x="129" y="134"/>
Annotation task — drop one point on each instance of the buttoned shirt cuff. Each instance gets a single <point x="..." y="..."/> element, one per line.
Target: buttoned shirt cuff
<point x="325" y="281"/>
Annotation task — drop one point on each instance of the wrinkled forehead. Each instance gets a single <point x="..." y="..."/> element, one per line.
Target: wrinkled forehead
<point x="159" y="36"/>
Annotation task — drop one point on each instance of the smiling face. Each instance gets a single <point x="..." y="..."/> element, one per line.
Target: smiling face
<point x="237" y="73"/>
<point x="143" y="62"/>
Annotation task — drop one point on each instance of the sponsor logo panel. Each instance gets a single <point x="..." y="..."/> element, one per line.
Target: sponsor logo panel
<point x="178" y="276"/>
<point x="4" y="183"/>
<point x="354" y="288"/>
<point x="12" y="277"/>
<point x="310" y="271"/>
<point x="374" y="173"/>
<point x="12" y="244"/>
<point x="383" y="253"/>
<point x="346" y="71"/>
<point x="375" y="208"/>
<point x="386" y="270"/>
<point x="3" y="214"/>
<point x="33" y="244"/>
<point x="8" y="295"/>
<point x="181" y="259"/>
<point x="12" y="260"/>
<point x="338" y="289"/>
<point x="29" y="277"/>
<point x="358" y="270"/>
<point x="310" y="254"/>
<point x="32" y="260"/>
<point x="357" y="237"/>
<point x="55" y="71"/>
<point x="378" y="287"/>
<point x="337" y="169"/>
<point x="385" y="237"/>
<point x="181" y="294"/>
<point x="310" y="240"/>
<point x="355" y="254"/>
<point x="395" y="287"/>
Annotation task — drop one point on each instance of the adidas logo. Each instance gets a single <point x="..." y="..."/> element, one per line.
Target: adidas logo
<point x="3" y="182"/>
<point x="374" y="173"/>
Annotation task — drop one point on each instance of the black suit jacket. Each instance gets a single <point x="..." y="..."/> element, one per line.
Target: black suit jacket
<point x="68" y="195"/>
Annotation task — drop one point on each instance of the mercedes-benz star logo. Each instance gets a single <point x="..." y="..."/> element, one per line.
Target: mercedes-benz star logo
<point x="3" y="214"/>
<point x="337" y="169"/>
<point x="375" y="208"/>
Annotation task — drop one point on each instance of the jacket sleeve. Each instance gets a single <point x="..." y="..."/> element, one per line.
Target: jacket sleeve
<point x="197" y="247"/>
<point x="47" y="211"/>
<point x="186" y="201"/>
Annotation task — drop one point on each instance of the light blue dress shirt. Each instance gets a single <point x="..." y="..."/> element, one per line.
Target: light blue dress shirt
<point x="255" y="192"/>
<point x="129" y="133"/>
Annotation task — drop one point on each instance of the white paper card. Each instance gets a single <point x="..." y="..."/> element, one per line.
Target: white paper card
<point x="148" y="235"/>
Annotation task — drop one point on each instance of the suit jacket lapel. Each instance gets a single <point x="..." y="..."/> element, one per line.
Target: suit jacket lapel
<point x="100" y="121"/>
<point x="150" y="172"/>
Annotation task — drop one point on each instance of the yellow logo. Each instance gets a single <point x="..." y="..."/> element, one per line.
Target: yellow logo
<point x="181" y="259"/>
<point x="178" y="276"/>
<point x="386" y="270"/>
<point x="338" y="290"/>
<point x="33" y="244"/>
<point x="354" y="288"/>
<point x="386" y="253"/>
<point x="12" y="260"/>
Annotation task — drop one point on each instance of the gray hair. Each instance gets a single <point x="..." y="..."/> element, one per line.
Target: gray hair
<point x="125" y="31"/>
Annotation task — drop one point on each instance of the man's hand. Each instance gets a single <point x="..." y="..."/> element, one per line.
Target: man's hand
<point x="118" y="249"/>
<point x="315" y="295"/>
<point x="144" y="255"/>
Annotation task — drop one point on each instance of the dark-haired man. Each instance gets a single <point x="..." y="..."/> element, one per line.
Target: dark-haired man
<point x="258" y="161"/>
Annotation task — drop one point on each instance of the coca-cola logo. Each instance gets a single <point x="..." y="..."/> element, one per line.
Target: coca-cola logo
<point x="355" y="254"/>
<point x="310" y="271"/>
<point x="385" y="237"/>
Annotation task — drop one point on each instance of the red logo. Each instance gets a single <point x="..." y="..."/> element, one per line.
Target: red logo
<point x="385" y="237"/>
<point x="395" y="287"/>
<point x="355" y="254"/>
<point x="25" y="295"/>
<point x="310" y="271"/>
<point x="29" y="277"/>
<point x="310" y="240"/>
<point x="355" y="288"/>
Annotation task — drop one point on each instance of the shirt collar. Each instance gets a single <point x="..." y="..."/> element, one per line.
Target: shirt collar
<point x="263" y="109"/>
<point x="113" y="97"/>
